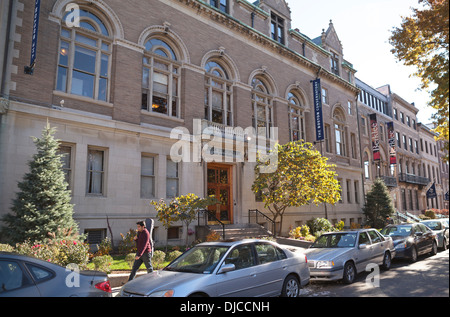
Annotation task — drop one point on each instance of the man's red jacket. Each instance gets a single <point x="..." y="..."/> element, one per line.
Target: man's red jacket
<point x="143" y="243"/>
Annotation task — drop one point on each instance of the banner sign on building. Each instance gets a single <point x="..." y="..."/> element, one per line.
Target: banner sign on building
<point x="318" y="118"/>
<point x="431" y="192"/>
<point x="392" y="144"/>
<point x="34" y="37"/>
<point x="375" y="137"/>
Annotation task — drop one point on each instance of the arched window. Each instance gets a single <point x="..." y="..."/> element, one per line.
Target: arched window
<point x="218" y="94"/>
<point x="160" y="78"/>
<point x="296" y="118"/>
<point x="339" y="129"/>
<point x="84" y="63"/>
<point x="262" y="105"/>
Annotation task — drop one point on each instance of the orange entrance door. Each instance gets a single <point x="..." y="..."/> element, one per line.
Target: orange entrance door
<point x="220" y="186"/>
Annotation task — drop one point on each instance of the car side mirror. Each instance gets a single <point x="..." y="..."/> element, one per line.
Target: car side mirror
<point x="362" y="246"/>
<point x="419" y="234"/>
<point x="227" y="268"/>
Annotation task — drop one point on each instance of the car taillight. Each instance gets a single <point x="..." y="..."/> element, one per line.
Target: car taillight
<point x="306" y="259"/>
<point x="104" y="286"/>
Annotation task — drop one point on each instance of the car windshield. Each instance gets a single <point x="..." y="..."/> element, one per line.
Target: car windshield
<point x="433" y="225"/>
<point x="199" y="259"/>
<point x="336" y="240"/>
<point x="400" y="231"/>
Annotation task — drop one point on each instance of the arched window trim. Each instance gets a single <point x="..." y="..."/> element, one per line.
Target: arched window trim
<point x="296" y="117"/>
<point x="262" y="106"/>
<point x="219" y="106"/>
<point x="84" y="62"/>
<point x="340" y="131"/>
<point x="161" y="84"/>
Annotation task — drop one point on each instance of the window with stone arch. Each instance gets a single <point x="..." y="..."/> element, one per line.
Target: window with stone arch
<point x="84" y="61"/>
<point x="262" y="106"/>
<point x="340" y="132"/>
<point x="296" y="117"/>
<point x="218" y="94"/>
<point x="161" y="78"/>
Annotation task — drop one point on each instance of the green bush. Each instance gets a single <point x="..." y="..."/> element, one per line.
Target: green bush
<point x="103" y="263"/>
<point x="129" y="258"/>
<point x="430" y="214"/>
<point x="6" y="248"/>
<point x="173" y="255"/>
<point x="319" y="225"/>
<point x="105" y="247"/>
<point x="158" y="258"/>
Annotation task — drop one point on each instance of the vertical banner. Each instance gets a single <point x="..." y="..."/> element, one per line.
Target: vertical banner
<point x="392" y="143"/>
<point x="318" y="118"/>
<point x="375" y="137"/>
<point x="431" y="192"/>
<point x="34" y="37"/>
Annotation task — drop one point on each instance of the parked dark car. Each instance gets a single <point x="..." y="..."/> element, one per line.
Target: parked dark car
<point x="23" y="276"/>
<point x="411" y="240"/>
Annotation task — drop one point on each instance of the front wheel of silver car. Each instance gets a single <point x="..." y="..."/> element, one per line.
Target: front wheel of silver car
<point x="349" y="273"/>
<point x="387" y="261"/>
<point x="291" y="287"/>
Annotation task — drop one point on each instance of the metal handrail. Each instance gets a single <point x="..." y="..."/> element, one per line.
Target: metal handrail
<point x="257" y="212"/>
<point x="205" y="215"/>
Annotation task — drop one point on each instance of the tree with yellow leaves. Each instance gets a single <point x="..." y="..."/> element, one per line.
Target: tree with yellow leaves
<point x="422" y="41"/>
<point x="302" y="177"/>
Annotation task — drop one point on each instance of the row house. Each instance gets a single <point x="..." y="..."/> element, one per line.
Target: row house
<point x="416" y="166"/>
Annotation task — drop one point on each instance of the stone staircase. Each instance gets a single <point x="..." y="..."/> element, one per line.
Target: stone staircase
<point x="242" y="231"/>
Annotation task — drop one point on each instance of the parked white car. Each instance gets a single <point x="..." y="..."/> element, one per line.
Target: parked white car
<point x="344" y="254"/>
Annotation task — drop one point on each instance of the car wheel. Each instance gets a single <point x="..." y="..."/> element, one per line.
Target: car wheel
<point x="413" y="254"/>
<point x="349" y="273"/>
<point x="387" y="261"/>
<point x="291" y="287"/>
<point x="434" y="249"/>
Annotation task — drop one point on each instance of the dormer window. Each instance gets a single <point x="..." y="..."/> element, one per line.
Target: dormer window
<point x="222" y="5"/>
<point x="277" y="28"/>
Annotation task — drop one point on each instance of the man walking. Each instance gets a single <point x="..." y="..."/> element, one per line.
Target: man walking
<point x="144" y="249"/>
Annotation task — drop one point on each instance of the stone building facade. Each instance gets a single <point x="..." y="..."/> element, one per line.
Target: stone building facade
<point x="121" y="83"/>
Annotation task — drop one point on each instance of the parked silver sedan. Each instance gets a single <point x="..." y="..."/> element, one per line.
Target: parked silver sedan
<point x="341" y="255"/>
<point x="23" y="276"/>
<point x="244" y="268"/>
<point x="440" y="228"/>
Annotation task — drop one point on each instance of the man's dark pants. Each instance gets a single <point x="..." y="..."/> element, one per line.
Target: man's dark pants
<point x="146" y="259"/>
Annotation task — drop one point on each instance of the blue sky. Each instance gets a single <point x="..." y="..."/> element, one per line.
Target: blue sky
<point x="364" y="27"/>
